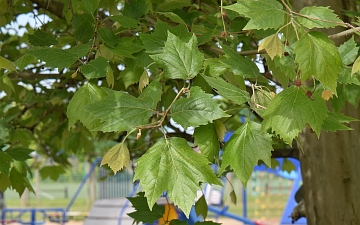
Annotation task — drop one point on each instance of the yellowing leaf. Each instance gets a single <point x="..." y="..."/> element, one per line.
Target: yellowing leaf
<point x="356" y="66"/>
<point x="6" y="64"/>
<point x="110" y="77"/>
<point x="117" y="157"/>
<point x="273" y="46"/>
<point x="220" y="129"/>
<point x="233" y="197"/>
<point x="326" y="94"/>
<point x="144" y="80"/>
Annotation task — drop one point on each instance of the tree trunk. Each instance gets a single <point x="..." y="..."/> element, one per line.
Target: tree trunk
<point x="330" y="165"/>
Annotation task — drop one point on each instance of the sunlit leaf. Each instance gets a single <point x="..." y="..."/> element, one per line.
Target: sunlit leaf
<point x="6" y="64"/>
<point x="290" y="111"/>
<point x="313" y="51"/>
<point x="246" y="147"/>
<point x="348" y="51"/>
<point x="180" y="60"/>
<point x="356" y="66"/>
<point x="318" y="16"/>
<point x="263" y="14"/>
<point x="117" y="157"/>
<point x="171" y="165"/>
<point x="273" y="46"/>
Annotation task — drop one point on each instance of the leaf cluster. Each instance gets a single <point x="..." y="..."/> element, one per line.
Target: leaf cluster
<point x="164" y="81"/>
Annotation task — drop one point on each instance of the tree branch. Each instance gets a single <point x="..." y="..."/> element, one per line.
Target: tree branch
<point x="54" y="7"/>
<point x="29" y="75"/>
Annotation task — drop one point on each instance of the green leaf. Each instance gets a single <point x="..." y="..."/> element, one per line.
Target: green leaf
<point x="155" y="41"/>
<point x="84" y="26"/>
<point x="17" y="181"/>
<point x="5" y="80"/>
<point x="262" y="98"/>
<point x="78" y="142"/>
<point x="334" y="122"/>
<point x="125" y="48"/>
<point x="169" y="5"/>
<point x="287" y="66"/>
<point x="54" y="57"/>
<point x="201" y="207"/>
<point x="288" y="166"/>
<point x="81" y="49"/>
<point x="356" y="66"/>
<point x="313" y="51"/>
<point x="143" y="212"/>
<point x="108" y="36"/>
<point x="117" y="157"/>
<point x="315" y="16"/>
<point x="24" y="61"/>
<point x="233" y="197"/>
<point x="152" y="94"/>
<point x="52" y="172"/>
<point x="90" y="6"/>
<point x="346" y="78"/>
<point x="245" y="148"/>
<point x="178" y="222"/>
<point x="5" y="182"/>
<point x="5" y="161"/>
<point x="290" y="111"/>
<point x="41" y="38"/>
<point x="180" y="60"/>
<point x="125" y="21"/>
<point x="348" y="51"/>
<point x="20" y="153"/>
<point x="220" y="130"/>
<point x="144" y="80"/>
<point x="110" y="77"/>
<point x="214" y="67"/>
<point x="131" y="75"/>
<point x="173" y="17"/>
<point x="197" y="109"/>
<point x="273" y="46"/>
<point x="171" y="165"/>
<point x="263" y="14"/>
<point x="135" y="9"/>
<point x="120" y="111"/>
<point x="238" y="64"/>
<point x="276" y="72"/>
<point x="87" y="94"/>
<point x="227" y="90"/>
<point x="95" y="68"/>
<point x="207" y="141"/>
<point x="6" y="64"/>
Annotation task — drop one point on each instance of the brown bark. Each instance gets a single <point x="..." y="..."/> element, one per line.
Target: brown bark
<point x="330" y="165"/>
<point x="331" y="175"/>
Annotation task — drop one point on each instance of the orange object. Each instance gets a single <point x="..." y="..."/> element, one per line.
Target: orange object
<point x="170" y="214"/>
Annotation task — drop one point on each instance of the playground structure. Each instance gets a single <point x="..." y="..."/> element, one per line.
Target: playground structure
<point x="112" y="208"/>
